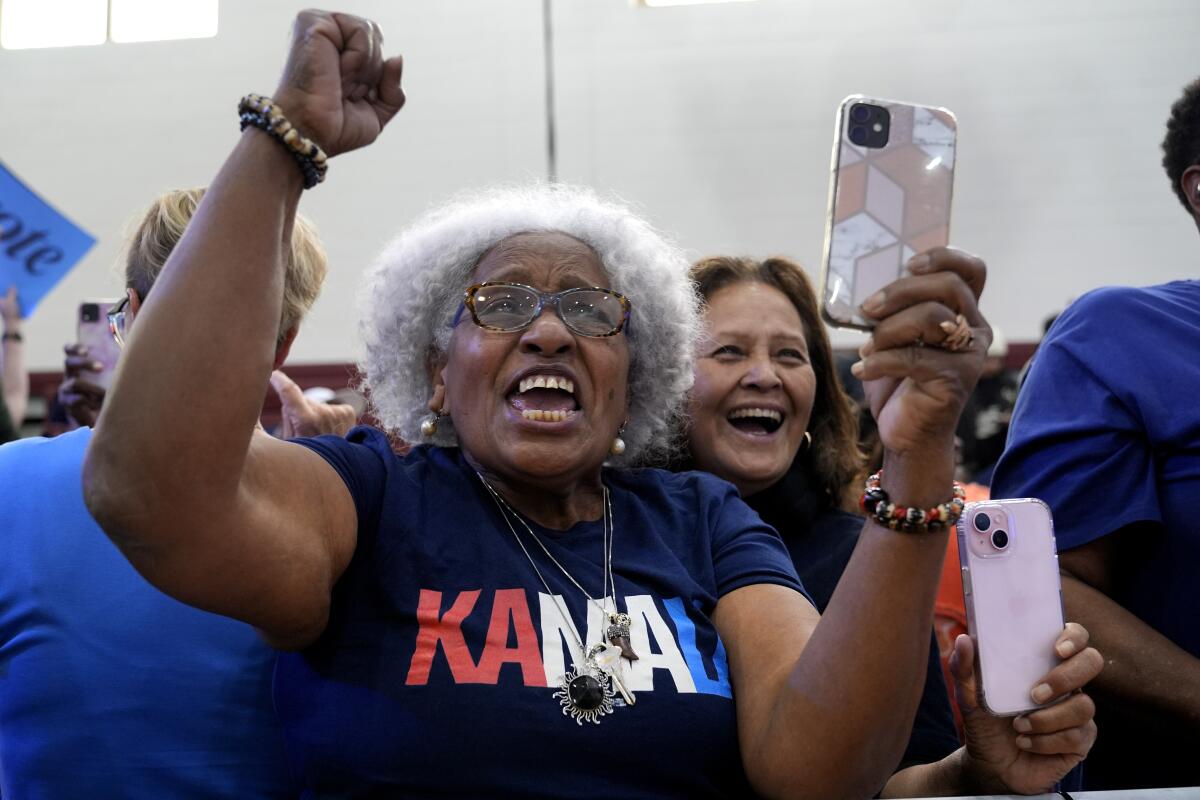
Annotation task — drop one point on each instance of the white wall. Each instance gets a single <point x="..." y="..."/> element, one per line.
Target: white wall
<point x="715" y="119"/>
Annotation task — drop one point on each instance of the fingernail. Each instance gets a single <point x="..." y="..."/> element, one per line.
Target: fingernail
<point x="948" y="327"/>
<point x="1024" y="742"/>
<point x="97" y="366"/>
<point x="1022" y="725"/>
<point x="919" y="263"/>
<point x="856" y="369"/>
<point x="873" y="303"/>
<point x="1065" y="648"/>
<point x="1041" y="693"/>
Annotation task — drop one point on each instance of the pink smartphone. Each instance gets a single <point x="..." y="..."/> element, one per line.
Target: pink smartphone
<point x="92" y="331"/>
<point x="1013" y="597"/>
<point x="889" y="198"/>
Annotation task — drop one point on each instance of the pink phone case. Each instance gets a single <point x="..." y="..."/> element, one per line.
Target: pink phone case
<point x="886" y="204"/>
<point x="1013" y="599"/>
<point x="92" y="331"/>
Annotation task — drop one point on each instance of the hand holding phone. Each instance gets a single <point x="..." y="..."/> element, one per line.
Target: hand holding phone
<point x="1013" y="598"/>
<point x="92" y="332"/>
<point x="889" y="199"/>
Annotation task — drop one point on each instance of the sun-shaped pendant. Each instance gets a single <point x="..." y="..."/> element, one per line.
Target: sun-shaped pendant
<point x="586" y="695"/>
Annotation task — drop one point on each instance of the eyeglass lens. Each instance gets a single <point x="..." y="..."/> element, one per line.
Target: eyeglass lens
<point x="587" y="311"/>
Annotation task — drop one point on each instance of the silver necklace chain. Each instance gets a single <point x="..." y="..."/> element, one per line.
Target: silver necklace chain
<point x="601" y="664"/>
<point x="607" y="580"/>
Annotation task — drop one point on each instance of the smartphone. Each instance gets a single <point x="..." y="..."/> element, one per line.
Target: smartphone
<point x="92" y="331"/>
<point x="889" y="198"/>
<point x="1013" y="597"/>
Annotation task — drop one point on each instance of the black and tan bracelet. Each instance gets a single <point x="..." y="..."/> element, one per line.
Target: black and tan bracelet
<point x="876" y="504"/>
<point x="12" y="336"/>
<point x="262" y="113"/>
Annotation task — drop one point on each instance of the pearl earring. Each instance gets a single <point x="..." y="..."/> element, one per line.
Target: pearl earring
<point x="618" y="445"/>
<point x="429" y="426"/>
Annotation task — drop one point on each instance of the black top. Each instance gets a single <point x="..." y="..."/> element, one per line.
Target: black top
<point x="820" y="539"/>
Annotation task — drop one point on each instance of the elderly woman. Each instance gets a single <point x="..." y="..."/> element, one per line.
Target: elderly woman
<point x="461" y="617"/>
<point x="768" y="414"/>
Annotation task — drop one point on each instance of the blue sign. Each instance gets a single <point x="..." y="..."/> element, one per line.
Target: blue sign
<point x="38" y="245"/>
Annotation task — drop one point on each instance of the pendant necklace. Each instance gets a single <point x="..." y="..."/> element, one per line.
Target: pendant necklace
<point x="587" y="690"/>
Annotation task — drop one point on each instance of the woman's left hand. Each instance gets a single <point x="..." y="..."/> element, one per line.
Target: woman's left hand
<point x="915" y="380"/>
<point x="1029" y="753"/>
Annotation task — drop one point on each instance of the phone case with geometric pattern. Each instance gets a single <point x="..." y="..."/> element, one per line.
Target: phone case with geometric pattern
<point x="886" y="204"/>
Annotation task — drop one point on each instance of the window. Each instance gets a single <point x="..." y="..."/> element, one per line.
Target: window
<point x="156" y="20"/>
<point x="66" y="23"/>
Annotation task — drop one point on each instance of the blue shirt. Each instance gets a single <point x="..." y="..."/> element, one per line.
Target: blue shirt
<point x="437" y="672"/>
<point x="1106" y="431"/>
<point x="109" y="688"/>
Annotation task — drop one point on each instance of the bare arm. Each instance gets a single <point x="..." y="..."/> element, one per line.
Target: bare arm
<point x="846" y="695"/>
<point x="15" y="377"/>
<point x="1145" y="670"/>
<point x="232" y="522"/>
<point x="810" y="696"/>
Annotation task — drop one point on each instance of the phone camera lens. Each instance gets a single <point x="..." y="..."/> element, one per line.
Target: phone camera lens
<point x="858" y="134"/>
<point x="860" y="113"/>
<point x="982" y="521"/>
<point x="90" y="312"/>
<point x="999" y="540"/>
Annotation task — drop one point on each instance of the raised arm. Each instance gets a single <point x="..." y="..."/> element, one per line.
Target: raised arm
<point x="846" y="695"/>
<point x="221" y="518"/>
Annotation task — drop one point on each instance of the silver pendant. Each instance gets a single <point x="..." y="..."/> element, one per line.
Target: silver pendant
<point x="608" y="659"/>
<point x="586" y="694"/>
<point x="618" y="634"/>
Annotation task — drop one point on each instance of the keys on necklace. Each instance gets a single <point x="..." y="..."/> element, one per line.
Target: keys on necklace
<point x="618" y="634"/>
<point x="608" y="659"/>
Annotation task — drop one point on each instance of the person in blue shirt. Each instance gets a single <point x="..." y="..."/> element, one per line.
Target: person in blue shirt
<point x="1106" y="432"/>
<point x="513" y="610"/>
<point x="107" y="686"/>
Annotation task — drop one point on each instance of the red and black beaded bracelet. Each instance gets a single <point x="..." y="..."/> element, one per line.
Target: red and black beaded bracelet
<point x="876" y="504"/>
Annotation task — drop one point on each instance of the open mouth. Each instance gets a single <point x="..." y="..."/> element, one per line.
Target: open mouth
<point x="756" y="421"/>
<point x="545" y="398"/>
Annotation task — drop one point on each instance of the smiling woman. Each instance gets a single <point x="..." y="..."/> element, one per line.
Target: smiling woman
<point x="768" y="414"/>
<point x="510" y="609"/>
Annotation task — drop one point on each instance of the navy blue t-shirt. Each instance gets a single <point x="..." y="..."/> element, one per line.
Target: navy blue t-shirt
<point x="436" y="673"/>
<point x="1106" y="431"/>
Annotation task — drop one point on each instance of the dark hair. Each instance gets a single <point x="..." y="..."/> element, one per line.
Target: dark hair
<point x="1181" y="145"/>
<point x="834" y="454"/>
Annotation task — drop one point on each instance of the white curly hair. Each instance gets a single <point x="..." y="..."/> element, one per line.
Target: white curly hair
<point x="411" y="293"/>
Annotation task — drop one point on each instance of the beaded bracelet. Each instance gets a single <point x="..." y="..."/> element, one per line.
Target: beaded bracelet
<point x="262" y="113"/>
<point x="876" y="505"/>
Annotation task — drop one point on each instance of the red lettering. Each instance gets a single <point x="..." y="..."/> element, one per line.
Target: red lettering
<point x="445" y="629"/>
<point x="510" y="605"/>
